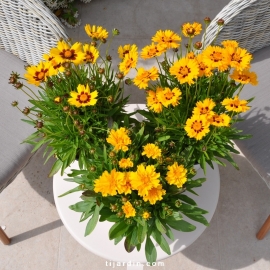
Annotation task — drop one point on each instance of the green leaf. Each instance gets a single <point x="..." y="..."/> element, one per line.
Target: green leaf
<point x="118" y="229"/>
<point x="164" y="138"/>
<point x="81" y="206"/>
<point x="160" y="226"/>
<point x="186" y="199"/>
<point x="150" y="251"/>
<point x="118" y="239"/>
<point x="142" y="231"/>
<point x="56" y="167"/>
<point x="198" y="218"/>
<point x="93" y="221"/>
<point x="181" y="225"/>
<point x="129" y="241"/>
<point x="161" y="241"/>
<point x="78" y="188"/>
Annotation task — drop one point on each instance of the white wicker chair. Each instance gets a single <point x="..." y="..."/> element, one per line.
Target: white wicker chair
<point x="247" y="21"/>
<point x="28" y="29"/>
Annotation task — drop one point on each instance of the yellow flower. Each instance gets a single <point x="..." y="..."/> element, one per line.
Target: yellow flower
<point x="129" y="61"/>
<point x="83" y="97"/>
<point x="153" y="50"/>
<point x="154" y="194"/>
<point x="66" y="53"/>
<point x="91" y="54"/>
<point x="125" y="163"/>
<point x="191" y="30"/>
<point x="167" y="38"/>
<point x="185" y="70"/>
<point x="239" y="58"/>
<point x="176" y="175"/>
<point x="191" y="55"/>
<point x="216" y="57"/>
<point x="151" y="151"/>
<point x="220" y="120"/>
<point x="146" y="215"/>
<point x="119" y="139"/>
<point x="108" y="183"/>
<point x="144" y="76"/>
<point x="123" y="50"/>
<point x="129" y="210"/>
<point x="204" y="70"/>
<point x="204" y="107"/>
<point x="229" y="43"/>
<point x="144" y="179"/>
<point x="152" y="101"/>
<point x="244" y="77"/>
<point x="124" y="186"/>
<point x="96" y="32"/>
<point x="169" y="97"/>
<point x="197" y="127"/>
<point x="57" y="66"/>
<point x="235" y="105"/>
<point x="38" y="74"/>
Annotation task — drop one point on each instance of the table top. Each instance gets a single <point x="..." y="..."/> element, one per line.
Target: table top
<point x="98" y="241"/>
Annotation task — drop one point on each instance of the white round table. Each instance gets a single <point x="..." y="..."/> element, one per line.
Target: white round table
<point x="98" y="241"/>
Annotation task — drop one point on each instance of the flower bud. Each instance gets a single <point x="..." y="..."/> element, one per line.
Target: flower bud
<point x="101" y="70"/>
<point x="109" y="58"/>
<point x="197" y="45"/>
<point x="14" y="103"/>
<point x="26" y="111"/>
<point x="18" y="85"/>
<point x="207" y="20"/>
<point x="66" y="108"/>
<point x="178" y="203"/>
<point x="172" y="144"/>
<point x="92" y="151"/>
<point x="124" y="199"/>
<point x="169" y="212"/>
<point x="76" y="123"/>
<point x="129" y="221"/>
<point x="115" y="32"/>
<point x="93" y="168"/>
<point x="120" y="214"/>
<point x="66" y="65"/>
<point x="82" y="132"/>
<point x="110" y="99"/>
<point x="175" y="49"/>
<point x="57" y="100"/>
<point x="68" y="73"/>
<point x="128" y="81"/>
<point x="220" y="22"/>
<point x="39" y="124"/>
<point x="93" y="43"/>
<point x="113" y="207"/>
<point x="112" y="154"/>
<point x="12" y="80"/>
<point x="138" y="203"/>
<point x="120" y="75"/>
<point x="39" y="115"/>
<point x="75" y="112"/>
<point x="103" y="40"/>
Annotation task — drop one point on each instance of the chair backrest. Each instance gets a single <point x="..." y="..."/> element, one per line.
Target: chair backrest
<point x="247" y="21"/>
<point x="28" y="29"/>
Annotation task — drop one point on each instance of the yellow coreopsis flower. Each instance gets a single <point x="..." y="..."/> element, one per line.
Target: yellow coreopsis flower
<point x="96" y="32"/>
<point x="57" y="66"/>
<point x="151" y="151"/>
<point x="244" y="77"/>
<point x="220" y="120"/>
<point x="153" y="50"/>
<point x="119" y="139"/>
<point x="124" y="186"/>
<point x="146" y="215"/>
<point x="144" y="76"/>
<point x="129" y="61"/>
<point x="229" y="43"/>
<point x="108" y="183"/>
<point x="91" y="54"/>
<point x="167" y="38"/>
<point x="169" y="97"/>
<point x="152" y="101"/>
<point x="38" y="74"/>
<point x="83" y="97"/>
<point x="191" y="29"/>
<point x="128" y="210"/>
<point x="216" y="57"/>
<point x="123" y="50"/>
<point x="204" y="69"/>
<point x="66" y="53"/>
<point x="239" y="58"/>
<point x="125" y="163"/>
<point x="176" y="175"/>
<point x="204" y="107"/>
<point x="197" y="126"/>
<point x="144" y="179"/>
<point x="235" y="105"/>
<point x="185" y="70"/>
<point x="154" y="194"/>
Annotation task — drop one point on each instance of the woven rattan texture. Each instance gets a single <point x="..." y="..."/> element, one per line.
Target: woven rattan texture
<point x="247" y="21"/>
<point x="28" y="29"/>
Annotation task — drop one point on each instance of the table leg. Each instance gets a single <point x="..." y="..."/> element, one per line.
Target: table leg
<point x="264" y="229"/>
<point x="3" y="237"/>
